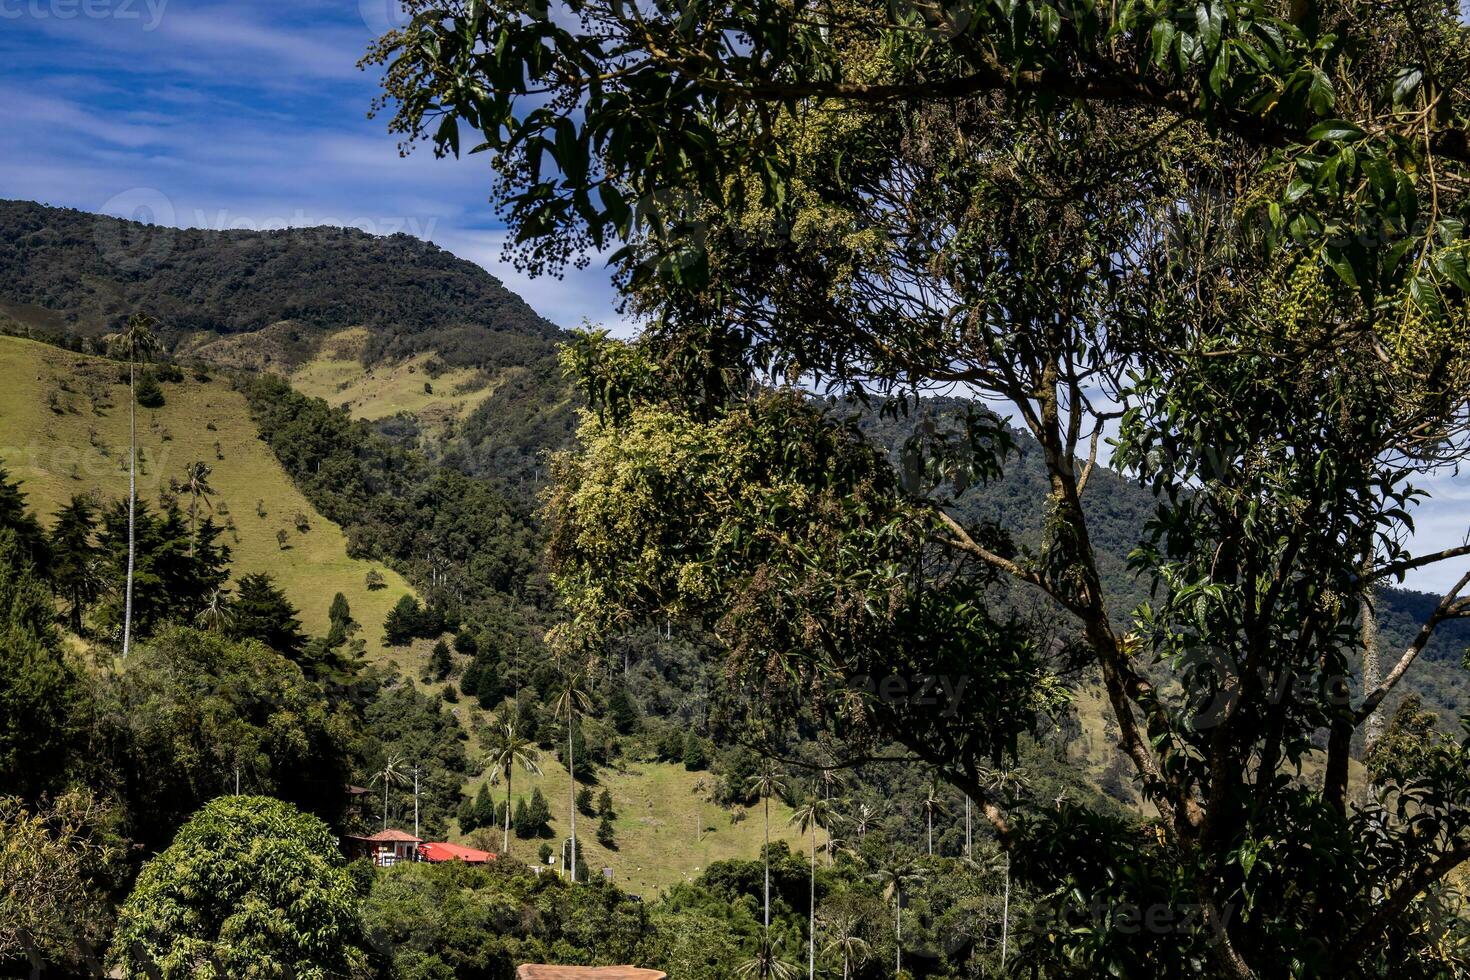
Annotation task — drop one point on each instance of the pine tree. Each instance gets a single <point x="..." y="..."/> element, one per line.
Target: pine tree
<point x="261" y="611"/>
<point x="483" y="814"/>
<point x="621" y="712"/>
<point x="339" y="615"/>
<point x="606" y="835"/>
<point x="531" y="817"/>
<point x="403" y="623"/>
<point x="30" y="541"/>
<point x="522" y="820"/>
<point x="75" y="558"/>
<point x="150" y="392"/>
<point x="439" y="661"/>
<point x="695" y="755"/>
<point x="605" y="804"/>
<point x="584" y="801"/>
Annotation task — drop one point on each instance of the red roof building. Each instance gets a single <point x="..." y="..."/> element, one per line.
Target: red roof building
<point x="386" y="848"/>
<point x="436" y="851"/>
<point x="533" y="972"/>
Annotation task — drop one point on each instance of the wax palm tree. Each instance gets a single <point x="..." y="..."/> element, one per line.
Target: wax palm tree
<point x="767" y="782"/>
<point x="216" y="615"/>
<point x="847" y="942"/>
<point x="573" y="698"/>
<point x="393" y="773"/>
<point x="508" y="748"/>
<point x="137" y="342"/>
<point x="833" y="786"/>
<point x="808" y="818"/>
<point x="895" y="876"/>
<point x="1002" y="781"/>
<point x="767" y="963"/>
<point x="196" y="485"/>
<point x="863" y="816"/>
<point x="932" y="804"/>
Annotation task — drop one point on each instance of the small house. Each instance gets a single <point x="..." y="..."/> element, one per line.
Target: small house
<point x="533" y="972"/>
<point x="385" y="848"/>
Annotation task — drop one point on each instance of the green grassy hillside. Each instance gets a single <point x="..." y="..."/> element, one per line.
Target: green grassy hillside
<point x="64" y="431"/>
<point x="668" y="831"/>
<point x="434" y="394"/>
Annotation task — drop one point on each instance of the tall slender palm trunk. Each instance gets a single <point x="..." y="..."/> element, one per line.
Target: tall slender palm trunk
<point x="572" y="789"/>
<point x="898" y="932"/>
<point x="766" y="860"/>
<point x="505" y="844"/>
<point x="811" y="929"/>
<point x="132" y="508"/>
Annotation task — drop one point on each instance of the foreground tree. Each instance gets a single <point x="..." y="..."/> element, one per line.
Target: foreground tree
<point x="1234" y="234"/>
<point x="39" y="688"/>
<point x="251" y="886"/>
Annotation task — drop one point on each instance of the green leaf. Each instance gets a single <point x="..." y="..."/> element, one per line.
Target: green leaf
<point x="1320" y="94"/>
<point x="1210" y="19"/>
<point x="1334" y="129"/>
<point x="1451" y="265"/>
<point x="1405" y="84"/>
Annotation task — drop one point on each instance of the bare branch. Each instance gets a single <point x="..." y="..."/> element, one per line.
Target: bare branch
<point x="1448" y="608"/>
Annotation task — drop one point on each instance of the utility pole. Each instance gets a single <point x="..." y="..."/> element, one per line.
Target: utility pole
<point x="415" y="800"/>
<point x="237" y="780"/>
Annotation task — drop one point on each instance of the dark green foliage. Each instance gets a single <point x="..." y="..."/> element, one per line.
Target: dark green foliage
<point x="76" y="558"/>
<point x="262" y="612"/>
<point x="39" y="690"/>
<point x="397" y="508"/>
<point x="585" y="801"/>
<point x="440" y="663"/>
<point x="606" y="833"/>
<point x="341" y="623"/>
<point x="417" y="728"/>
<point x="696" y="754"/>
<point x="605" y="804"/>
<point x="465" y="643"/>
<point x="457" y="920"/>
<point x="251" y="885"/>
<point x="30" y="540"/>
<point x="621" y="711"/>
<point x="406" y="620"/>
<point x="170" y="584"/>
<point x="479" y="812"/>
<point x="194" y="708"/>
<point x="148" y="391"/>
<point x="238" y="281"/>
<point x="531" y="817"/>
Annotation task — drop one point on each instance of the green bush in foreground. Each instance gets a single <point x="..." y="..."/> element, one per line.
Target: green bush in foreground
<point x="251" y="886"/>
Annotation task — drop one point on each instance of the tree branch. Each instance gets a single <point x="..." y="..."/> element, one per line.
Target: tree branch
<point x="1448" y="608"/>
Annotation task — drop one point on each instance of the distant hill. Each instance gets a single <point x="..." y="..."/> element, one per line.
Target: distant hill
<point x="90" y="271"/>
<point x="393" y="328"/>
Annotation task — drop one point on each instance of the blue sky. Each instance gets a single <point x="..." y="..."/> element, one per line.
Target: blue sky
<point x="253" y="115"/>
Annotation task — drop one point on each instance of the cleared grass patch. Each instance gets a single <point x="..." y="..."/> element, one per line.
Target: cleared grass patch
<point x="336" y="376"/>
<point x="64" y="431"/>
<point x="667" y="829"/>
